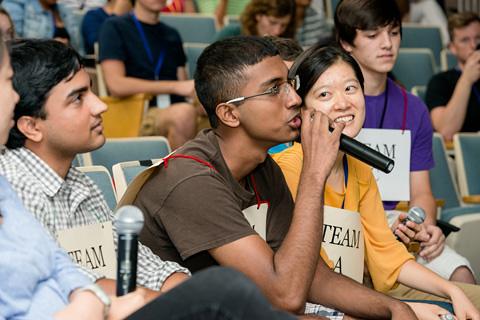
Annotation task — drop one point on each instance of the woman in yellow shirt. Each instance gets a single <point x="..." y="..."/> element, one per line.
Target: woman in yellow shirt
<point x="331" y="82"/>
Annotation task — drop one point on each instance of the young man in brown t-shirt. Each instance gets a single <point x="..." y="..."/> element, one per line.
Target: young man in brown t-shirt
<point x="220" y="199"/>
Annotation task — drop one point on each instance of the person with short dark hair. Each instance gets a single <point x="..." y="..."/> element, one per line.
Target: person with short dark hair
<point x="57" y="118"/>
<point x="140" y="54"/>
<point x="453" y="96"/>
<point x="288" y="49"/>
<point x="221" y="200"/>
<point x="370" y="30"/>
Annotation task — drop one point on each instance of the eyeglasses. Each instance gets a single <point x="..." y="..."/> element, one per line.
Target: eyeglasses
<point x="273" y="91"/>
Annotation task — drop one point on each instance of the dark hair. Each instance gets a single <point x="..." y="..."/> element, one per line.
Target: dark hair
<point x="312" y="63"/>
<point x="460" y="20"/>
<point x="273" y="8"/>
<point x="38" y="66"/>
<point x="353" y="15"/>
<point x="12" y="30"/>
<point x="220" y="73"/>
<point x="288" y="49"/>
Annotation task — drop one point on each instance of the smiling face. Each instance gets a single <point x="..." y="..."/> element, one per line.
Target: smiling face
<point x="338" y="94"/>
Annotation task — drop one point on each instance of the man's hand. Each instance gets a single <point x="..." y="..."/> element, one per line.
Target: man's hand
<point x="185" y="88"/>
<point x="471" y="70"/>
<point x="320" y="146"/>
<point x="125" y="305"/>
<point x="433" y="247"/>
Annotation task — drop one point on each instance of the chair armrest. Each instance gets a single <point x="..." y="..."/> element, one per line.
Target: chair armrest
<point x="446" y="227"/>
<point x="472" y="199"/>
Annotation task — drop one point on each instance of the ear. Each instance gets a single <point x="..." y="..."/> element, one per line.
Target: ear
<point x="346" y="46"/>
<point x="29" y="126"/>
<point x="452" y="48"/>
<point x="227" y="113"/>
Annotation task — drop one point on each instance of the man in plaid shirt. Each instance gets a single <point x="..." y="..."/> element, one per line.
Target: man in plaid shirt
<point x="57" y="117"/>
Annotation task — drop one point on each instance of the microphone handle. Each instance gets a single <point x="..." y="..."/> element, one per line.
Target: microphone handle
<point x="127" y="263"/>
<point x="366" y="154"/>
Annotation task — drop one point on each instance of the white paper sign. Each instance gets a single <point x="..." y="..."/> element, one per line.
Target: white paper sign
<point x="163" y="101"/>
<point x="92" y="247"/>
<point x="257" y="218"/>
<point x="395" y="144"/>
<point x="343" y="242"/>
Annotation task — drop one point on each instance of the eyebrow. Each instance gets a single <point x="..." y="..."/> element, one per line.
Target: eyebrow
<point x="77" y="91"/>
<point x="270" y="82"/>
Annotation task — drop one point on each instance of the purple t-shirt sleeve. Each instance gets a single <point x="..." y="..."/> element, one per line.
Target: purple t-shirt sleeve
<point x="421" y="157"/>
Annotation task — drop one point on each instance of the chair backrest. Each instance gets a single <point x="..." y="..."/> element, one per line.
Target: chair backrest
<point x="447" y="60"/>
<point x="101" y="85"/>
<point x="125" y="172"/>
<point x="192" y="27"/>
<point x="127" y="149"/>
<point x="124" y="115"/>
<point x="331" y="6"/>
<point x="419" y="91"/>
<point x="193" y="51"/>
<point x="102" y="178"/>
<point x="414" y="67"/>
<point x="441" y="177"/>
<point x="464" y="241"/>
<point x="467" y="155"/>
<point x="421" y="36"/>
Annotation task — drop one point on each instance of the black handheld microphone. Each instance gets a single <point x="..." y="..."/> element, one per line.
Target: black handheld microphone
<point x="365" y="154"/>
<point x="129" y="223"/>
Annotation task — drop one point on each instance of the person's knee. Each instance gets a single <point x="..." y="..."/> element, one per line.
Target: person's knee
<point x="183" y="117"/>
<point x="463" y="274"/>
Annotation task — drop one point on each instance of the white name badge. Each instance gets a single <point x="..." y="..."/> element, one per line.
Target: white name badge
<point x="395" y="144"/>
<point x="343" y="242"/>
<point x="92" y="247"/>
<point x="257" y="218"/>
<point x="163" y="101"/>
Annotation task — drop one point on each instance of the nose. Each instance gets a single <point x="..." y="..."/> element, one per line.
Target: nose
<point x="294" y="100"/>
<point x="277" y="30"/>
<point x="341" y="102"/>
<point x="386" y="40"/>
<point x="97" y="106"/>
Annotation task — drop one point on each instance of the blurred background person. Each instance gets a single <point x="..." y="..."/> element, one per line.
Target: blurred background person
<point x="6" y="25"/>
<point x="264" y="17"/>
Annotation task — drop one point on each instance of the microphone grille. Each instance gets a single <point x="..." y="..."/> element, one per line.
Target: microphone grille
<point x="129" y="220"/>
<point x="416" y="214"/>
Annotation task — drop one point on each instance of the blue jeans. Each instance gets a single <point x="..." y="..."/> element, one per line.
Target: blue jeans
<point x="216" y="293"/>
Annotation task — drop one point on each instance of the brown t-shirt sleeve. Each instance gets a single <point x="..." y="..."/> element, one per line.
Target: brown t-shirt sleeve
<point x="201" y="213"/>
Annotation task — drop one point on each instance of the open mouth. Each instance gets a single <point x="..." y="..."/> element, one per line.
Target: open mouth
<point x="344" y="119"/>
<point x="295" y="122"/>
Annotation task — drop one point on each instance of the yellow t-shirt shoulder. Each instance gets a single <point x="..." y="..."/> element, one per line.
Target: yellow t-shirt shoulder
<point x="384" y="255"/>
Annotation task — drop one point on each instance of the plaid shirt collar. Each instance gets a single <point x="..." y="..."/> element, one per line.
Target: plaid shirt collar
<point x="42" y="172"/>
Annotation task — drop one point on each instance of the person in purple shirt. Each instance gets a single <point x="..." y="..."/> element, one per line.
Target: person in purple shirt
<point x="370" y="31"/>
